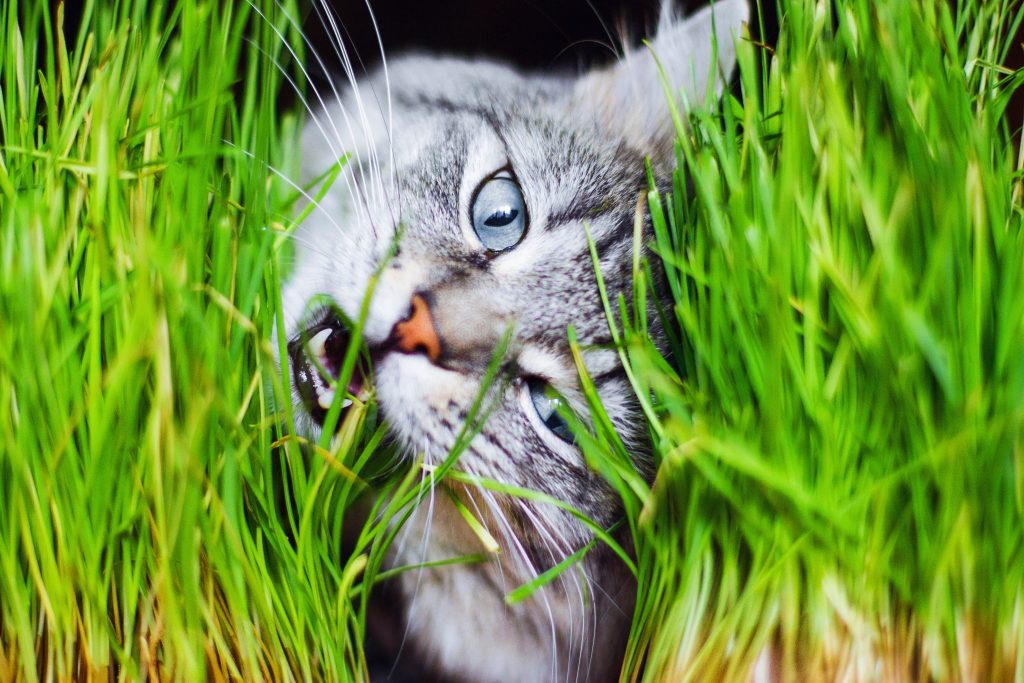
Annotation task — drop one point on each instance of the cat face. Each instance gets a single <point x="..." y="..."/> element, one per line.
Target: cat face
<point x="466" y="199"/>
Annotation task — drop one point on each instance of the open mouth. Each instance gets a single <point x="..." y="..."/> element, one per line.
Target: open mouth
<point x="317" y="355"/>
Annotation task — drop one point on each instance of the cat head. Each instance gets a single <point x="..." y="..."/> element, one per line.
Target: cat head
<point x="466" y="199"/>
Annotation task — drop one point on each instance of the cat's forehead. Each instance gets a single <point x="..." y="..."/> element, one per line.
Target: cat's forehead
<point x="488" y="113"/>
<point x="485" y="117"/>
<point x="448" y="117"/>
<point x="443" y="84"/>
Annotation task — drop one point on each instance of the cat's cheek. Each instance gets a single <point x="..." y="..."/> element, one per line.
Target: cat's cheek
<point x="424" y="405"/>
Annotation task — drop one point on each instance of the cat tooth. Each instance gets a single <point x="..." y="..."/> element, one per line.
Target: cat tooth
<point x="346" y="403"/>
<point x="318" y="342"/>
<point x="326" y="398"/>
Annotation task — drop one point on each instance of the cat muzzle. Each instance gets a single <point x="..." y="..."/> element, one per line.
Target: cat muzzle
<point x="317" y="355"/>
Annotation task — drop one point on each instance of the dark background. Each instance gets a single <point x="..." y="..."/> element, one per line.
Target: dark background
<point x="532" y="34"/>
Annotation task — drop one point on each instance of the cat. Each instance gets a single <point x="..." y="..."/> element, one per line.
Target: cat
<point x="469" y="189"/>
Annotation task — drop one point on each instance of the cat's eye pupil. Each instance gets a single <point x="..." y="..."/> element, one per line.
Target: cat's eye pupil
<point x="547" y="403"/>
<point x="499" y="213"/>
<point x="501" y="217"/>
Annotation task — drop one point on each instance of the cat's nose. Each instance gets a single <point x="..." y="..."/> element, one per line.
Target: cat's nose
<point x="417" y="332"/>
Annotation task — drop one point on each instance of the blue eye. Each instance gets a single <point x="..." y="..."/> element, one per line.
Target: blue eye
<point x="499" y="213"/>
<point x="547" y="404"/>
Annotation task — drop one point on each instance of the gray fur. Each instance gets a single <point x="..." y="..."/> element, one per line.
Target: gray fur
<point x="422" y="136"/>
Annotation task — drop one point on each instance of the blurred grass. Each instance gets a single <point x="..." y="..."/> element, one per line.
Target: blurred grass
<point x="841" y="447"/>
<point x="838" y="427"/>
<point x="143" y="527"/>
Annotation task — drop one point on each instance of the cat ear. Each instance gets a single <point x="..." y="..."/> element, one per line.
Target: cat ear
<point x="629" y="99"/>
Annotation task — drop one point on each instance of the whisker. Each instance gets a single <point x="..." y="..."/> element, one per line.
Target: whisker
<point x="342" y="53"/>
<point x="327" y="17"/>
<point x="552" y="542"/>
<point x="589" y="41"/>
<point x="354" y="186"/>
<point x="410" y="611"/>
<point x="334" y="35"/>
<point x="390" y="122"/>
<point x="346" y="173"/>
<point x="287" y="45"/>
<point x="498" y="556"/>
<point x="298" y="188"/>
<point x="611" y="44"/>
<point x="531" y="571"/>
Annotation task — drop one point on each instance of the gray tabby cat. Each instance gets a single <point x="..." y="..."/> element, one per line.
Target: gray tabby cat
<point x="488" y="177"/>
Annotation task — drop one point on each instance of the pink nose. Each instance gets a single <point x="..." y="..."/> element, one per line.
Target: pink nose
<point x="417" y="333"/>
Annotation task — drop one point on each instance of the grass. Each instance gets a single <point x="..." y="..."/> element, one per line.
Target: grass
<point x="839" y="429"/>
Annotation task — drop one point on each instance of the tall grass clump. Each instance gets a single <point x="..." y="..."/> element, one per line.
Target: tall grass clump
<point x="146" y="526"/>
<point x="837" y="421"/>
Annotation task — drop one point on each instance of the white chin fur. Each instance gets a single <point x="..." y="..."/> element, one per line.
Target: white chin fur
<point x="417" y="395"/>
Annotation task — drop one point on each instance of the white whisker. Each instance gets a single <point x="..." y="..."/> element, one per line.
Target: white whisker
<point x="396" y="189"/>
<point x="351" y="183"/>
<point x="411" y="607"/>
<point x="379" y="197"/>
<point x="312" y="200"/>
<point x="302" y="68"/>
<point x="545" y="531"/>
<point x="357" y="192"/>
<point x="611" y="44"/>
<point x="532" y="572"/>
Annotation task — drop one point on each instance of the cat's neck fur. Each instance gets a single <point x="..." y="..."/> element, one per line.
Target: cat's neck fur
<point x="418" y="143"/>
<point x="460" y="624"/>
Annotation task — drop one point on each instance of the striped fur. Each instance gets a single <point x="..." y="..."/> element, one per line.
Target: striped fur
<point x="422" y="133"/>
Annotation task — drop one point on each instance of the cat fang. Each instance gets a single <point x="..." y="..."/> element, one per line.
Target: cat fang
<point x="318" y="353"/>
<point x="492" y="183"/>
<point x="316" y="357"/>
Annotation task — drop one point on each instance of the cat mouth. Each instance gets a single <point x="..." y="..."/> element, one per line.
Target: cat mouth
<point x="317" y="355"/>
